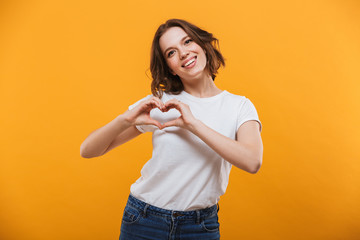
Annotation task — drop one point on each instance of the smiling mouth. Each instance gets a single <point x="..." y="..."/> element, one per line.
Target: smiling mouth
<point x="189" y="62"/>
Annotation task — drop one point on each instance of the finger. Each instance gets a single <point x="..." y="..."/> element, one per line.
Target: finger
<point x="153" y="122"/>
<point x="160" y="105"/>
<point x="170" y="124"/>
<point x="153" y="104"/>
<point x="173" y="104"/>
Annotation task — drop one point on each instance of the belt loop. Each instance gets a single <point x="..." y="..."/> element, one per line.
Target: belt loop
<point x="198" y="217"/>
<point x="144" y="213"/>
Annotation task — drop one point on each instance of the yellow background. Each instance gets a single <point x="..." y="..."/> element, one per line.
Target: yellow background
<point x="70" y="67"/>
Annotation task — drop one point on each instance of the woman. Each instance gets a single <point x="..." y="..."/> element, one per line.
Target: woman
<point x="199" y="132"/>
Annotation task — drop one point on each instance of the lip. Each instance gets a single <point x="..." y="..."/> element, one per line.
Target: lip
<point x="186" y="61"/>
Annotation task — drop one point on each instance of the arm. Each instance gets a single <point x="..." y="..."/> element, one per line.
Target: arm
<point x="99" y="140"/>
<point x="120" y="130"/>
<point x="123" y="137"/>
<point x="245" y="152"/>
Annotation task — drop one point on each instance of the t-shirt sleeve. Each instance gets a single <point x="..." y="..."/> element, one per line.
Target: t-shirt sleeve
<point x="143" y="128"/>
<point x="247" y="112"/>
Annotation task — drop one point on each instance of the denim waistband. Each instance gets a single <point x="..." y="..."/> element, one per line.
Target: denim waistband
<point x="195" y="214"/>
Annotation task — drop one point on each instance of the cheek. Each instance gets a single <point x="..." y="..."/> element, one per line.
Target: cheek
<point x="200" y="52"/>
<point x="171" y="65"/>
<point x="197" y="48"/>
<point x="203" y="57"/>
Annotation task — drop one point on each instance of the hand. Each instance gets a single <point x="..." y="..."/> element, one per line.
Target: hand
<point x="186" y="120"/>
<point x="140" y="115"/>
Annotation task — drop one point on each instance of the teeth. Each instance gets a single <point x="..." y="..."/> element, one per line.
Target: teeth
<point x="190" y="62"/>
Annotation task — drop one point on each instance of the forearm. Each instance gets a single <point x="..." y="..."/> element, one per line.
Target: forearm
<point x="99" y="140"/>
<point x="244" y="157"/>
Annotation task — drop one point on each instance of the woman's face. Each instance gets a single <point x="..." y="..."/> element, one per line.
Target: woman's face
<point x="184" y="57"/>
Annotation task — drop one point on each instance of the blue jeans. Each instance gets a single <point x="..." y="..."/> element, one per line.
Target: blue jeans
<point x="144" y="221"/>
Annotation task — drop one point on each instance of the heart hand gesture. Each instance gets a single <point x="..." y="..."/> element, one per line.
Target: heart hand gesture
<point x="186" y="120"/>
<point x="140" y="115"/>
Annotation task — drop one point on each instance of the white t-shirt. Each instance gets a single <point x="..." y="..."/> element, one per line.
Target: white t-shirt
<point x="184" y="173"/>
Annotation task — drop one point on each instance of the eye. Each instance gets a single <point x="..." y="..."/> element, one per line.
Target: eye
<point x="187" y="41"/>
<point x="170" y="53"/>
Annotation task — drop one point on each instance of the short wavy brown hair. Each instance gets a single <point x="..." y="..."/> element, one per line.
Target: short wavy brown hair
<point x="163" y="80"/>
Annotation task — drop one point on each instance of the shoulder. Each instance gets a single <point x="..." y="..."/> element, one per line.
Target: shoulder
<point x="240" y="102"/>
<point x="235" y="98"/>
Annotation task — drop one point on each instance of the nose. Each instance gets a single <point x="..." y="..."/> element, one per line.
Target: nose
<point x="184" y="53"/>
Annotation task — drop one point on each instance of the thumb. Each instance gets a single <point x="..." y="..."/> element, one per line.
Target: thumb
<point x="153" y="122"/>
<point x="169" y="124"/>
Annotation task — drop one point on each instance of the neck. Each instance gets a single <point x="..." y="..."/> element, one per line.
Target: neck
<point x="201" y="87"/>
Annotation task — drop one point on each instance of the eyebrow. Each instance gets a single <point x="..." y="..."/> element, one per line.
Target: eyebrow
<point x="180" y="41"/>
